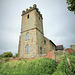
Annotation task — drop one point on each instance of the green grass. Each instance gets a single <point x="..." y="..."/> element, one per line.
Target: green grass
<point x="43" y="66"/>
<point x="64" y="68"/>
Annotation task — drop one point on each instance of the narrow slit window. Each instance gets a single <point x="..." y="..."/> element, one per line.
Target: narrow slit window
<point x="27" y="16"/>
<point x="39" y="18"/>
<point x="44" y="42"/>
<point x="40" y="50"/>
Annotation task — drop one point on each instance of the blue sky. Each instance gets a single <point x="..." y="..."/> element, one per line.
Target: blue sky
<point x="58" y="22"/>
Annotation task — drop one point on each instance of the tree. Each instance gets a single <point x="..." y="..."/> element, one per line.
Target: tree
<point x="16" y="54"/>
<point x="7" y="54"/>
<point x="71" y="6"/>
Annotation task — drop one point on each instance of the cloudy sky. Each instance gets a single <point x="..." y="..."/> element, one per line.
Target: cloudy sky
<point x="58" y="22"/>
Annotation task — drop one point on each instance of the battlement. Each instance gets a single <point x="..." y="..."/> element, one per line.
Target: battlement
<point x="30" y="9"/>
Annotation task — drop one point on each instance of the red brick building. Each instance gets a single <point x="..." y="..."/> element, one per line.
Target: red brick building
<point x="69" y="50"/>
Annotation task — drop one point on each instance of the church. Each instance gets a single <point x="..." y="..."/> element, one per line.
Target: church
<point x="32" y="42"/>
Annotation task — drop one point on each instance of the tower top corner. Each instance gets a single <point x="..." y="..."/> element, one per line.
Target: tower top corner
<point x="31" y="9"/>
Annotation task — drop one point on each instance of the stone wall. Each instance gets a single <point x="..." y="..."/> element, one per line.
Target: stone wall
<point x="31" y="42"/>
<point x="34" y="26"/>
<point x="39" y="41"/>
<point x="59" y="52"/>
<point x="46" y="46"/>
<point x="29" y="23"/>
<point x="73" y="47"/>
<point x="39" y="22"/>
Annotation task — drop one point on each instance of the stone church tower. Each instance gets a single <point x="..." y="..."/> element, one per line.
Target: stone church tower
<point x="32" y="35"/>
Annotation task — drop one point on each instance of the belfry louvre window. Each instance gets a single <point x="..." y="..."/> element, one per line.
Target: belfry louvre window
<point x="27" y="16"/>
<point x="27" y="49"/>
<point x="27" y="35"/>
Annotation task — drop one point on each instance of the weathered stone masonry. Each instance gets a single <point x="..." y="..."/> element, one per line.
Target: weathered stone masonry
<point x="32" y="42"/>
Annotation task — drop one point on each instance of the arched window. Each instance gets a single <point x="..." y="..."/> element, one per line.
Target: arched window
<point x="27" y="16"/>
<point x="27" y="49"/>
<point x="27" y="35"/>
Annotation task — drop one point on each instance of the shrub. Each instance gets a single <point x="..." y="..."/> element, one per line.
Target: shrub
<point x="42" y="66"/>
<point x="72" y="53"/>
<point x="64" y="68"/>
<point x="59" y="73"/>
<point x="16" y="54"/>
<point x="5" y="59"/>
<point x="14" y="57"/>
<point x="19" y="58"/>
<point x="7" y="54"/>
<point x="0" y="57"/>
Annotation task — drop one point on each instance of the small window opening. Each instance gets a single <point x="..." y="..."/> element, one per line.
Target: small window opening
<point x="40" y="50"/>
<point x="28" y="16"/>
<point x="44" y="42"/>
<point x="39" y="18"/>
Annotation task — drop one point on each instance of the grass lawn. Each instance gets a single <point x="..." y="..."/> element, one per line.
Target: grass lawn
<point x="41" y="66"/>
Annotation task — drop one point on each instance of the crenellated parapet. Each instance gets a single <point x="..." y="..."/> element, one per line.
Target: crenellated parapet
<point x="30" y="9"/>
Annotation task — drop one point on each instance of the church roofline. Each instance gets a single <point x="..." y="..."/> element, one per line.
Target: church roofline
<point x="31" y="9"/>
<point x="50" y="41"/>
